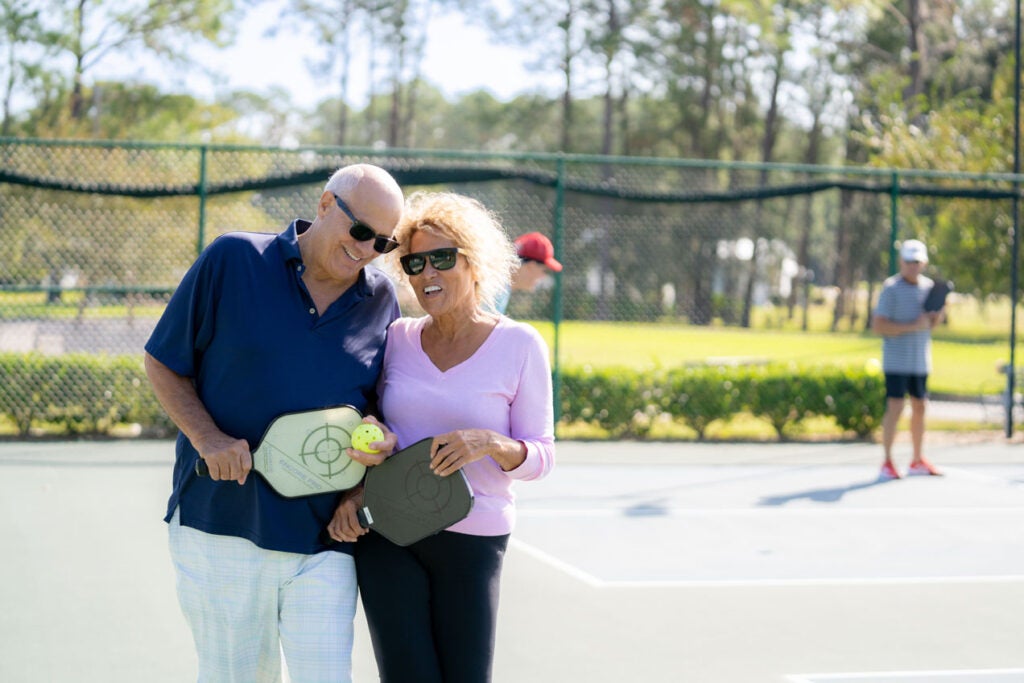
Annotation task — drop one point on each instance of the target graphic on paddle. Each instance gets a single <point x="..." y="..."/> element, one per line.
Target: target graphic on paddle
<point x="323" y="451"/>
<point x="425" y="490"/>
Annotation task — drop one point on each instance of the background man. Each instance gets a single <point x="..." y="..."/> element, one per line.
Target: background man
<point x="906" y="353"/>
<point x="537" y="258"/>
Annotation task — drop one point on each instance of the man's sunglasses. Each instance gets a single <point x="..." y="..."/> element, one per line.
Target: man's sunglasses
<point x="440" y="259"/>
<point x="362" y="232"/>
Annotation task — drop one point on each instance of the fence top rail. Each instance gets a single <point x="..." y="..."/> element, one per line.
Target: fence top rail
<point x="894" y="174"/>
<point x="86" y="289"/>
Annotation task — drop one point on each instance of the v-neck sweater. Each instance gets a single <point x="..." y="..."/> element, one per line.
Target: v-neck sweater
<point x="504" y="386"/>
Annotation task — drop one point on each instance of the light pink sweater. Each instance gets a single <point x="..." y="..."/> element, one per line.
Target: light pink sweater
<point x="505" y="387"/>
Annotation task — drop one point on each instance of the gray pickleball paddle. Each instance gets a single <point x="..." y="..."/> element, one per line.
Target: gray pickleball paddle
<point x="405" y="502"/>
<point x="936" y="297"/>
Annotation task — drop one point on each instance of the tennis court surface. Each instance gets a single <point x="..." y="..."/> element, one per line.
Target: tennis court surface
<point x="704" y="563"/>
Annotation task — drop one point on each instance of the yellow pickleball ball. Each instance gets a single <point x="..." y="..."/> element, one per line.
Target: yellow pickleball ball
<point x="364" y="435"/>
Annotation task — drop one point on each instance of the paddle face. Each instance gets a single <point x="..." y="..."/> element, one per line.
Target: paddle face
<point x="936" y="298"/>
<point x="303" y="453"/>
<point x="405" y="502"/>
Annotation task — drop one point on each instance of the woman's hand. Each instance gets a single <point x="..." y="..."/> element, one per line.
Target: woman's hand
<point x="454" y="450"/>
<point x="344" y="525"/>
<point x="384" y="448"/>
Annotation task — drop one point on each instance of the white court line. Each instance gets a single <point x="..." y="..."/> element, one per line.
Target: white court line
<point x="594" y="582"/>
<point x="641" y="511"/>
<point x="551" y="560"/>
<point x="981" y="477"/>
<point x="923" y="676"/>
<point x="809" y="583"/>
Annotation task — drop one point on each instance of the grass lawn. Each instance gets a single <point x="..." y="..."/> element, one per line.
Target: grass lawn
<point x="966" y="351"/>
<point x="964" y="359"/>
<point x="965" y="368"/>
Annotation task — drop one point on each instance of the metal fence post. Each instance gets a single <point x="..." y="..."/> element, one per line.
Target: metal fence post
<point x="201" y="190"/>
<point x="559" y="228"/>
<point x="1011" y="371"/>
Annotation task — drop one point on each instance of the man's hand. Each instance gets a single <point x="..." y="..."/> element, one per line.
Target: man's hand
<point x="227" y="458"/>
<point x="344" y="525"/>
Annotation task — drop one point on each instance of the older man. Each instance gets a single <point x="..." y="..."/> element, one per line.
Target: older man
<point x="906" y="354"/>
<point x="262" y="325"/>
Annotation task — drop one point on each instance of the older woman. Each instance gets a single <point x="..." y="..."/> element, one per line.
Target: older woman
<point x="479" y="384"/>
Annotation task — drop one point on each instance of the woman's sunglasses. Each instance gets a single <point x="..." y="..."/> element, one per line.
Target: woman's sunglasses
<point x="440" y="259"/>
<point x="361" y="232"/>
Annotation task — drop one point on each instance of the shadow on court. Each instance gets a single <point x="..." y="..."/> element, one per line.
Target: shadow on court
<point x="823" y="495"/>
<point x="632" y="562"/>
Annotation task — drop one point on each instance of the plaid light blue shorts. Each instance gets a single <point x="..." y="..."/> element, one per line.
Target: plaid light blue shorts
<point x="247" y="606"/>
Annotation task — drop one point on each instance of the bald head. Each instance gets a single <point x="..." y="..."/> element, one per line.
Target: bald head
<point x="371" y="193"/>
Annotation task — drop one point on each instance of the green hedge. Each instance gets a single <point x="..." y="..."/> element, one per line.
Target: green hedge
<point x="77" y="394"/>
<point x="624" y="402"/>
<point x="82" y="394"/>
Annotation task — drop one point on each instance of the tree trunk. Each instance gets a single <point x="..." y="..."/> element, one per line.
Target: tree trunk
<point x="566" y="141"/>
<point x="917" y="47"/>
<point x="346" y="69"/>
<point x="76" y="102"/>
<point x="841" y="277"/>
<point x="700" y="308"/>
<point x="5" y="127"/>
<point x="767" y="152"/>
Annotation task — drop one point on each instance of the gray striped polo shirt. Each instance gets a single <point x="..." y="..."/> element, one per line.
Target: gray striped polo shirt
<point x="902" y="302"/>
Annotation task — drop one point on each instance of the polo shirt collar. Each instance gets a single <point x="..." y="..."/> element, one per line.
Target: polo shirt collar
<point x="289" y="240"/>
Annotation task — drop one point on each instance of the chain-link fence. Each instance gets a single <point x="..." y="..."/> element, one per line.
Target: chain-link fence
<point x="95" y="236"/>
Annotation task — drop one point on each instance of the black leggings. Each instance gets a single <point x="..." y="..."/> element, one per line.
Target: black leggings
<point x="431" y="607"/>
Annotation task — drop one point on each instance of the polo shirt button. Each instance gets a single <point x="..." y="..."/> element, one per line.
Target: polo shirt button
<point x="312" y="311"/>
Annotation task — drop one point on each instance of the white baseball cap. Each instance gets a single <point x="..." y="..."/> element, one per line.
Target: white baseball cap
<point x="914" y="250"/>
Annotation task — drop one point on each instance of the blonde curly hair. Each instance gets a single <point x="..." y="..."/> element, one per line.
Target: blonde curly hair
<point x="474" y="229"/>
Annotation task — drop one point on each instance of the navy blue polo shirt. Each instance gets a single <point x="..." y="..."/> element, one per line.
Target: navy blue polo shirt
<point x="243" y="326"/>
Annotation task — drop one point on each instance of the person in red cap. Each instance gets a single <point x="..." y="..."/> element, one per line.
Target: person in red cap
<point x="537" y="257"/>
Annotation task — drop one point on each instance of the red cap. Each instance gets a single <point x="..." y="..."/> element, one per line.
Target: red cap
<point x="537" y="247"/>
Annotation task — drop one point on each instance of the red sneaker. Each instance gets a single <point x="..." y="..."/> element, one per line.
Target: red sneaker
<point x="923" y="468"/>
<point x="888" y="472"/>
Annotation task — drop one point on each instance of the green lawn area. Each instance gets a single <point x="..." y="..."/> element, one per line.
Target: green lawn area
<point x="963" y="367"/>
<point x="966" y="351"/>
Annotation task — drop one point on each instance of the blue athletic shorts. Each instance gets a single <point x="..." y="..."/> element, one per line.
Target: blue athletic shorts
<point x="898" y="386"/>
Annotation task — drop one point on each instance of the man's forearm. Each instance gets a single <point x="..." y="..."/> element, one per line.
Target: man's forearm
<point x="179" y="399"/>
<point x="891" y="328"/>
